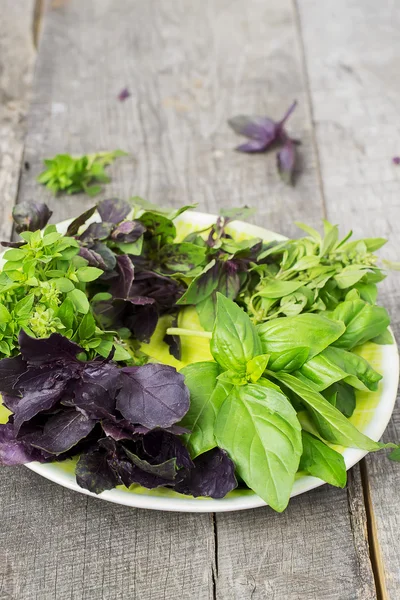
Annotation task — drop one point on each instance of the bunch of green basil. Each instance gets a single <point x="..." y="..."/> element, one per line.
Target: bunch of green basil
<point x="279" y="393"/>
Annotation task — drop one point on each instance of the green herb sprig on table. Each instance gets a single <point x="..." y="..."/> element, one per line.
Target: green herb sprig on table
<point x="65" y="173"/>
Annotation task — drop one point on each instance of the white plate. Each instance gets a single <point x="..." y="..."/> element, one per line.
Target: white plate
<point x="372" y="415"/>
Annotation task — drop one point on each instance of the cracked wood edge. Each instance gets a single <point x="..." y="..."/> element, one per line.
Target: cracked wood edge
<point x="353" y="74"/>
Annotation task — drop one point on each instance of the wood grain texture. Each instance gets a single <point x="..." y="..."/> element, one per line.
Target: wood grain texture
<point x="17" y="56"/>
<point x="354" y="83"/>
<point x="188" y="70"/>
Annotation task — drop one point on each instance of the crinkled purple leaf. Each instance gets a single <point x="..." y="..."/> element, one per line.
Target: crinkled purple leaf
<point x="153" y="395"/>
<point x="15" y="452"/>
<point x="77" y="223"/>
<point x="63" y="431"/>
<point x="286" y="159"/>
<point x="31" y="216"/>
<point x="108" y="256"/>
<point x="141" y="319"/>
<point x="40" y="351"/>
<point x="118" y="430"/>
<point x="42" y="388"/>
<point x="161" y="445"/>
<point x="94" y="259"/>
<point x="120" y="288"/>
<point x="128" y="231"/>
<point x="94" y="473"/>
<point x="213" y="475"/>
<point x="164" y="290"/>
<point x="113" y="210"/>
<point x="165" y="470"/>
<point x="95" y="392"/>
<point x="10" y="370"/>
<point x="96" y="232"/>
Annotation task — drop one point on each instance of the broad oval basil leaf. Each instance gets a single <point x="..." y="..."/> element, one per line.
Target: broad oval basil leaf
<point x="94" y="473"/>
<point x="315" y="332"/>
<point x="363" y="322"/>
<point x="153" y="395"/>
<point x="31" y="216"/>
<point x="128" y="231"/>
<point x="234" y="340"/>
<point x="321" y="461"/>
<point x="13" y="451"/>
<point x="206" y="398"/>
<point x="44" y="350"/>
<point x="333" y="426"/>
<point x="358" y="371"/>
<point x="213" y="475"/>
<point x="63" y="431"/>
<point x="289" y="360"/>
<point x="259" y="429"/>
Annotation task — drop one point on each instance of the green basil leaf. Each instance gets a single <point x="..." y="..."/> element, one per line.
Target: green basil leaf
<point x="363" y="322"/>
<point x="206" y="398"/>
<point x="234" y="339"/>
<point x="51" y="238"/>
<point x="315" y="332"/>
<point x="87" y="327"/>
<point x="134" y="248"/>
<point x="5" y="316"/>
<point x="278" y="289"/>
<point x="87" y="274"/>
<point x="79" y="301"/>
<point x="181" y="257"/>
<point x="359" y="372"/>
<point x="104" y="348"/>
<point x="256" y="367"/>
<point x="159" y="227"/>
<point x="343" y="396"/>
<point x="367" y="291"/>
<point x="121" y="354"/>
<point x="395" y="455"/>
<point x="15" y="254"/>
<point x="66" y="313"/>
<point x="349" y="276"/>
<point x="321" y="461"/>
<point x="330" y="239"/>
<point x="384" y="338"/>
<point x="321" y="372"/>
<point x="289" y="360"/>
<point x="23" y="308"/>
<point x="63" y="284"/>
<point x="333" y="426"/>
<point x="259" y="429"/>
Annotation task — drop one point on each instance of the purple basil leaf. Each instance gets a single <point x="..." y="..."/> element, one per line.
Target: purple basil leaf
<point x="94" y="259"/>
<point x="31" y="216"/>
<point x="94" y="473"/>
<point x="395" y="160"/>
<point x="128" y="231"/>
<point x="10" y="371"/>
<point x="77" y="223"/>
<point x="252" y="146"/>
<point x="286" y="159"/>
<point x="261" y="130"/>
<point x="124" y="94"/>
<point x="113" y="210"/>
<point x="108" y="256"/>
<point x="44" y="350"/>
<point x="15" y="452"/>
<point x="161" y="445"/>
<point x="141" y="320"/>
<point x="153" y="395"/>
<point x="165" y="470"/>
<point x="95" y="393"/>
<point x="117" y="431"/>
<point x="213" y="475"/>
<point x="63" y="431"/>
<point x="164" y="290"/>
<point x="96" y="231"/>
<point x="13" y="244"/>
<point x="122" y="285"/>
<point x="42" y="388"/>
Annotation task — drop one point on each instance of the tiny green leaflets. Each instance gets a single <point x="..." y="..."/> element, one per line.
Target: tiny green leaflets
<point x="234" y="339"/>
<point x="320" y="460"/>
<point x="259" y="429"/>
<point x="256" y="367"/>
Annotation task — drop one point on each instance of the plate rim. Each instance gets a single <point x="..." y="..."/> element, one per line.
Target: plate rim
<point x="374" y="429"/>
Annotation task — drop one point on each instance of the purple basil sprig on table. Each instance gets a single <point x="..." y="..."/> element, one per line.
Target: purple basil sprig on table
<point x="265" y="133"/>
<point x="122" y="422"/>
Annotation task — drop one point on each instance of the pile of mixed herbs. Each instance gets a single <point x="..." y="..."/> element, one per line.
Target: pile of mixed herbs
<point x="283" y="320"/>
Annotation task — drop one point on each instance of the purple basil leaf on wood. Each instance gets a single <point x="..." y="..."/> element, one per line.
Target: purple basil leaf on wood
<point x="44" y="350"/>
<point x="128" y="231"/>
<point x="63" y="431"/>
<point x="113" y="210"/>
<point x="262" y="132"/>
<point x="95" y="232"/>
<point x="124" y="94"/>
<point x="153" y="395"/>
<point x="213" y="475"/>
<point x="122" y="285"/>
<point x="10" y="371"/>
<point x="31" y="216"/>
<point x="15" y="452"/>
<point x="42" y="388"/>
<point x="286" y="159"/>
<point x="94" y="473"/>
<point x="161" y="445"/>
<point x="94" y="259"/>
<point x="77" y="223"/>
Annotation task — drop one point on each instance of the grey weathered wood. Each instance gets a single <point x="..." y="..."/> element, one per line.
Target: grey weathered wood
<point x="16" y="65"/>
<point x="355" y="87"/>
<point x="189" y="68"/>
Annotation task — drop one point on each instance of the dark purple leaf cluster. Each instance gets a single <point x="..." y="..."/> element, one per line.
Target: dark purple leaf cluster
<point x="264" y="134"/>
<point x="122" y="422"/>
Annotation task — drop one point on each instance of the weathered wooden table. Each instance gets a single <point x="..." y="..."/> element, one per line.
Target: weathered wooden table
<point x="189" y="66"/>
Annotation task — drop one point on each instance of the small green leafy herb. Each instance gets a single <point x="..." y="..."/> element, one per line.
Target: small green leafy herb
<point x="65" y="173"/>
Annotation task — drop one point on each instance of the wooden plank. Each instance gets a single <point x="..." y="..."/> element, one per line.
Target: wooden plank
<point x="353" y="73"/>
<point x="188" y="71"/>
<point x="17" y="56"/>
